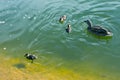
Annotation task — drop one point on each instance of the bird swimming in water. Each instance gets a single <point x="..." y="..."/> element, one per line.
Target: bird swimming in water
<point x="62" y="19"/>
<point x="68" y="29"/>
<point x="30" y="57"/>
<point x="98" y="30"/>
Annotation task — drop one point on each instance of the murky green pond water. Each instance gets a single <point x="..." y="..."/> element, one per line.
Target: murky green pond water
<point x="33" y="26"/>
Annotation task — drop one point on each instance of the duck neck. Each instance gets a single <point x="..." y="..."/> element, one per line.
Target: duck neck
<point x="89" y="24"/>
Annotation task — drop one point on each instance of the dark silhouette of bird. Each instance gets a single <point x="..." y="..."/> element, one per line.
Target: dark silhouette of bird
<point x="98" y="30"/>
<point x="68" y="29"/>
<point x="30" y="57"/>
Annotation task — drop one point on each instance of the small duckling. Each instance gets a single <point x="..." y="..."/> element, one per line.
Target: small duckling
<point x="62" y="19"/>
<point x="68" y="29"/>
<point x="30" y="57"/>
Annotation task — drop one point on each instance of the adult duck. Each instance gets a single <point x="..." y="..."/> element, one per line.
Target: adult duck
<point x="98" y="30"/>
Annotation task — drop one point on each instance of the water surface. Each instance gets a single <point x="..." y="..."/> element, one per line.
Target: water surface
<point x="33" y="26"/>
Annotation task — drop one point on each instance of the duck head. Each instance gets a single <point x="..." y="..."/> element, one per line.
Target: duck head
<point x="86" y="21"/>
<point x="89" y="23"/>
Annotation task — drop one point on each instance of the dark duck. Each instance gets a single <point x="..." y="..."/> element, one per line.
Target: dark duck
<point x="98" y="30"/>
<point x="30" y="57"/>
<point x="68" y="29"/>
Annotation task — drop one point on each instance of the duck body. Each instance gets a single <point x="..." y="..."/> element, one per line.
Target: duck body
<point x="98" y="30"/>
<point x="68" y="29"/>
<point x="30" y="57"/>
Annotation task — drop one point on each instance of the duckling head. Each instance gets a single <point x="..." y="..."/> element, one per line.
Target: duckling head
<point x="69" y="26"/>
<point x="26" y="55"/>
<point x="64" y="17"/>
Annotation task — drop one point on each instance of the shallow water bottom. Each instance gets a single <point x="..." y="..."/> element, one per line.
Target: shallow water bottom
<point x="17" y="69"/>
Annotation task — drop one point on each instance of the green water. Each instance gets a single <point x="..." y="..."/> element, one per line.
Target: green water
<point x="33" y="26"/>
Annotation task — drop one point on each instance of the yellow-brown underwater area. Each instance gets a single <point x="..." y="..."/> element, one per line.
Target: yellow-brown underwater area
<point x="17" y="69"/>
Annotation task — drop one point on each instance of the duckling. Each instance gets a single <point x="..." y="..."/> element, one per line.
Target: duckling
<point x="98" y="30"/>
<point x="68" y="29"/>
<point x="62" y="19"/>
<point x="30" y="57"/>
